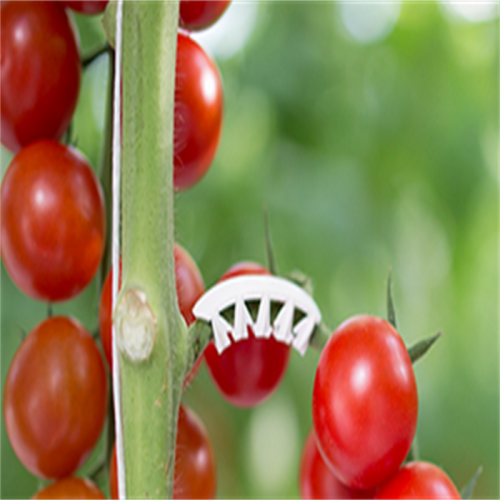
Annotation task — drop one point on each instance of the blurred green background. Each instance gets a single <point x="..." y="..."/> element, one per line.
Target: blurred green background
<point x="371" y="134"/>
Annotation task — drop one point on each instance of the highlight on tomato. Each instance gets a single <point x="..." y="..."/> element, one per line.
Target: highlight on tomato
<point x="316" y="479"/>
<point x="365" y="402"/>
<point x="55" y="398"/>
<point x="200" y="14"/>
<point x="248" y="371"/>
<point x="418" y="480"/>
<point x="198" y="112"/>
<point x="195" y="471"/>
<point x="68" y="488"/>
<point x="40" y="72"/>
<point x="189" y="285"/>
<point x="53" y="225"/>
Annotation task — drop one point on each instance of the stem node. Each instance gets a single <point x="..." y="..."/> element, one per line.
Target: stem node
<point x="135" y="326"/>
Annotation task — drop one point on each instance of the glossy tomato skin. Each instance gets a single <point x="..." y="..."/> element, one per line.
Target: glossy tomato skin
<point x="189" y="285"/>
<point x="40" y="72"/>
<point x="70" y="488"/>
<point x="195" y="472"/>
<point x="418" y="480"/>
<point x="200" y="14"/>
<point x="317" y="481"/>
<point x="365" y="402"/>
<point x="89" y="7"/>
<point x="188" y="282"/>
<point x="55" y="398"/>
<point x="248" y="371"/>
<point x="53" y="223"/>
<point x="198" y="112"/>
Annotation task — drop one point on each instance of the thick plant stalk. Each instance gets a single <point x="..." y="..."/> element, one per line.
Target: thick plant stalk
<point x="150" y="332"/>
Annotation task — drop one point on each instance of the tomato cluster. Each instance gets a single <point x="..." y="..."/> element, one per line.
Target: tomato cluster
<point x="53" y="236"/>
<point x="364" y="410"/>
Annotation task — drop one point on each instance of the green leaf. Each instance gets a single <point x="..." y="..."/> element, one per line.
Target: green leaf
<point x="417" y="350"/>
<point x="467" y="490"/>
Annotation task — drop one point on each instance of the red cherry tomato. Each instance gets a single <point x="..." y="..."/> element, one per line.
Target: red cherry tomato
<point x="189" y="286"/>
<point x="70" y="488"/>
<point x="40" y="72"/>
<point x="55" y="398"/>
<point x="249" y="370"/>
<point x="53" y="223"/>
<point x="318" y="481"/>
<point x="198" y="112"/>
<point x="197" y="15"/>
<point x="365" y="402"/>
<point x="86" y="6"/>
<point x="195" y="474"/>
<point x="418" y="480"/>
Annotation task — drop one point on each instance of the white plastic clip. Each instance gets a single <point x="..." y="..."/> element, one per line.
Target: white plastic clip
<point x="235" y="292"/>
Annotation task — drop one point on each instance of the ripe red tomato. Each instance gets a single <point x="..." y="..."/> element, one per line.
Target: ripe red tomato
<point x="53" y="223"/>
<point x="365" y="402"/>
<point x="197" y="15"/>
<point x="418" y="480"/>
<point x="249" y="370"/>
<point x="70" y="488"/>
<point x="198" y="112"/>
<point x="40" y="72"/>
<point x="55" y="398"/>
<point x="318" y="481"/>
<point x="194" y="474"/>
<point x="86" y="6"/>
<point x="189" y="286"/>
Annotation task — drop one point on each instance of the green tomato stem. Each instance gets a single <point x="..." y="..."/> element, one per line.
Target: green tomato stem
<point x="150" y="388"/>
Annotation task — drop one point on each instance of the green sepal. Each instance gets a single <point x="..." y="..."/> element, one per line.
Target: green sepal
<point x="391" y="311"/>
<point x="467" y="490"/>
<point x="302" y="280"/>
<point x="417" y="350"/>
<point x="271" y="261"/>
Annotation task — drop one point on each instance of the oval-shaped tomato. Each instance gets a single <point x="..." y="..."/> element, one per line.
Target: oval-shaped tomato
<point x="318" y="481"/>
<point x="198" y="112"/>
<point x="55" y="398"/>
<point x="365" y="402"/>
<point x="195" y="473"/>
<point x="40" y="72"/>
<point x="188" y="283"/>
<point x="418" y="480"/>
<point x="70" y="488"/>
<point x="200" y="14"/>
<point x="86" y="6"/>
<point x="249" y="370"/>
<point x="53" y="223"/>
